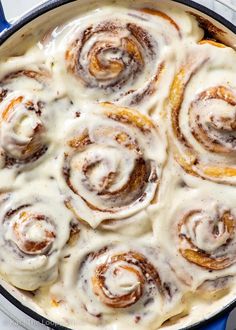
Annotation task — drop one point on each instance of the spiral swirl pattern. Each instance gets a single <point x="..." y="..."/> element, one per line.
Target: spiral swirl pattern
<point x="23" y="222"/>
<point x="126" y="262"/>
<point x="114" y="59"/>
<point x="203" y="235"/>
<point x="207" y="241"/>
<point x="31" y="238"/>
<point x="117" y="166"/>
<point x="203" y="125"/>
<point x="124" y="280"/>
<point x="22" y="129"/>
<point x="110" y="167"/>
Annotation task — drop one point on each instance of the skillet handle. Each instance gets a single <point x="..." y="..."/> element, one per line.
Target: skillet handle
<point x="218" y="324"/>
<point x="3" y="22"/>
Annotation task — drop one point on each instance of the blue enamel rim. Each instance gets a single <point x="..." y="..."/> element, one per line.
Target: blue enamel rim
<point x="217" y="321"/>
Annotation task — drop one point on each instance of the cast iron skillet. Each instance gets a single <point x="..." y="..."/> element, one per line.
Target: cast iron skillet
<point x="216" y="322"/>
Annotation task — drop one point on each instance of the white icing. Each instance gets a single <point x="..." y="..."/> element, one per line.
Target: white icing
<point x="91" y="151"/>
<point x="36" y="267"/>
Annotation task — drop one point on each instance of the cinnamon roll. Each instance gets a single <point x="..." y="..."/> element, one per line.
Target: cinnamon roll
<point x="126" y="280"/>
<point x="22" y="129"/>
<point x="202" y="113"/>
<point x="122" y="58"/>
<point x="118" y="166"/>
<point x="201" y="224"/>
<point x="32" y="236"/>
<point x="112" y="164"/>
<point x="207" y="240"/>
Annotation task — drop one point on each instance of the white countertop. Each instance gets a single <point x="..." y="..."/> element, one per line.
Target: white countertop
<point x="15" y="8"/>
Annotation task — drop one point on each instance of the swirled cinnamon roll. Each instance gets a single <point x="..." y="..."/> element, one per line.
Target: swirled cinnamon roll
<point x="202" y="230"/>
<point x="118" y="166"/>
<point x="34" y="229"/>
<point x="22" y="129"/>
<point x="123" y="57"/>
<point x="202" y="113"/>
<point x="208" y="240"/>
<point x="131" y="281"/>
<point x="112" y="164"/>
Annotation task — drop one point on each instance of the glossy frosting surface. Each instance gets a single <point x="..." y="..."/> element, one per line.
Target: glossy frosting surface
<point x="117" y="167"/>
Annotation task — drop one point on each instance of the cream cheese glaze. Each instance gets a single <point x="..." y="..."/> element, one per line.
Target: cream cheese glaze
<point x="117" y="168"/>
